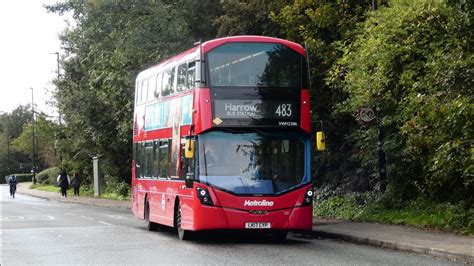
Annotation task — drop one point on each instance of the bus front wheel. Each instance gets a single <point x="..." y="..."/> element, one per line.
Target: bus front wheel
<point x="182" y="234"/>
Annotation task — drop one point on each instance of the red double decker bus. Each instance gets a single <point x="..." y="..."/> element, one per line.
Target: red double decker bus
<point x="222" y="139"/>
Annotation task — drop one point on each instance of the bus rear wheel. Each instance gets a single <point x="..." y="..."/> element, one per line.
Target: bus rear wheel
<point x="150" y="226"/>
<point x="182" y="234"/>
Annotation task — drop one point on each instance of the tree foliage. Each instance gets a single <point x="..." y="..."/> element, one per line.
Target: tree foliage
<point x="414" y="65"/>
<point x="412" y="62"/>
<point x="16" y="141"/>
<point x="110" y="43"/>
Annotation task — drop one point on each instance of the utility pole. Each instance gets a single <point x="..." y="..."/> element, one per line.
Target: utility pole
<point x="33" y="153"/>
<point x="59" y="75"/>
<point x="8" y="152"/>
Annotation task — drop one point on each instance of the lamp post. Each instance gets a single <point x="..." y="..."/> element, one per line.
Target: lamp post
<point x="33" y="153"/>
<point x="57" y="64"/>
<point x="8" y="152"/>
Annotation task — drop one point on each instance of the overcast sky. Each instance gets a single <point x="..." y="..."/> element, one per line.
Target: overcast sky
<point x="29" y="36"/>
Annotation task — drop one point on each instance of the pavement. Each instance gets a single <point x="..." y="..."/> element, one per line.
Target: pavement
<point x="439" y="244"/>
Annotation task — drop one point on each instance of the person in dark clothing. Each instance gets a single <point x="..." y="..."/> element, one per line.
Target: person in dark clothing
<point x="76" y="183"/>
<point x="12" y="181"/>
<point x="63" y="182"/>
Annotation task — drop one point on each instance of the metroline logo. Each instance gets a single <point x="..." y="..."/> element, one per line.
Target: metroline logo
<point x="253" y="203"/>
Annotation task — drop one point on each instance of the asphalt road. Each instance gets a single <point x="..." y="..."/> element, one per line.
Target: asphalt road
<point x="40" y="232"/>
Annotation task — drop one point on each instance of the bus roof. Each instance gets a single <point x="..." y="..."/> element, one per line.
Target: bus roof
<point x="209" y="45"/>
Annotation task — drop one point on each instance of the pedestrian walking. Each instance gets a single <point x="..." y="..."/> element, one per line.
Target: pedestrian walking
<point x="63" y="182"/>
<point x="76" y="183"/>
<point x="12" y="181"/>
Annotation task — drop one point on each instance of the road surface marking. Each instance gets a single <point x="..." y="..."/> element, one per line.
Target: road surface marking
<point x="27" y="218"/>
<point x="88" y="218"/>
<point x="56" y="228"/>
<point x="106" y="223"/>
<point x="116" y="216"/>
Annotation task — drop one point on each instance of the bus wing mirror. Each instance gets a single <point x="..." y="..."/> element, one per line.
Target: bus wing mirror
<point x="189" y="148"/>
<point x="320" y="141"/>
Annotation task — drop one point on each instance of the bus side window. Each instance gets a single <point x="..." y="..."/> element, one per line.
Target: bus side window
<point x="148" y="159"/>
<point x="136" y="159"/>
<point x="191" y="75"/>
<point x="181" y="79"/>
<point x="156" y="158"/>
<point x="187" y="165"/>
<point x="159" y="79"/>
<point x="145" y="90"/>
<point x="151" y="87"/>
<point x="173" y="81"/>
<point x="142" y="92"/>
<point x="168" y="82"/>
<point x="141" y="159"/>
<point x="164" y="163"/>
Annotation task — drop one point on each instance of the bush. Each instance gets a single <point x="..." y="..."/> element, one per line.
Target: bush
<point x="115" y="189"/>
<point x="48" y="176"/>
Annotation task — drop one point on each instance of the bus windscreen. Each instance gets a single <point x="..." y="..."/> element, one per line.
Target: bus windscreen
<point x="255" y="65"/>
<point x="252" y="163"/>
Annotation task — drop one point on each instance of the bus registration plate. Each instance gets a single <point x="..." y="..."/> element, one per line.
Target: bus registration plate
<point x="258" y="225"/>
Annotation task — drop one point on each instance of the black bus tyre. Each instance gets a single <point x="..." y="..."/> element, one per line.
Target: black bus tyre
<point x="150" y="226"/>
<point x="182" y="234"/>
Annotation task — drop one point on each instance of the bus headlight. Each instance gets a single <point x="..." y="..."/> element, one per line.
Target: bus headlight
<point x="204" y="196"/>
<point x="308" y="198"/>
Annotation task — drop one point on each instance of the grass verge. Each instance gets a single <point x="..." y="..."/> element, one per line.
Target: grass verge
<point x="421" y="213"/>
<point x="84" y="191"/>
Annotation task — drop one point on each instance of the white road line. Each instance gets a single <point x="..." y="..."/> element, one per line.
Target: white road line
<point x="56" y="228"/>
<point x="68" y="213"/>
<point x="106" y="223"/>
<point x="26" y="218"/>
<point x="88" y="218"/>
<point x="115" y="216"/>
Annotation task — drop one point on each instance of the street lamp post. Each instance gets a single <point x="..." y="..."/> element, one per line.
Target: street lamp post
<point x="57" y="63"/>
<point x="33" y="153"/>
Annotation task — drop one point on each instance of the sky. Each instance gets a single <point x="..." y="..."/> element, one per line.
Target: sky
<point x="28" y="37"/>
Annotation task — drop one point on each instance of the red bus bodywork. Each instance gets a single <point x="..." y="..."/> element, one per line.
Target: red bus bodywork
<point x="229" y="211"/>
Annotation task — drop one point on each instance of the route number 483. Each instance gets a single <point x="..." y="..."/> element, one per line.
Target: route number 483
<point x="284" y="110"/>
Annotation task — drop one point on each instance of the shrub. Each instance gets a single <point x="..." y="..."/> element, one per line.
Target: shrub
<point x="48" y="176"/>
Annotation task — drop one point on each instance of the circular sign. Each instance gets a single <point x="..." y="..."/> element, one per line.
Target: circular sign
<point x="366" y="115"/>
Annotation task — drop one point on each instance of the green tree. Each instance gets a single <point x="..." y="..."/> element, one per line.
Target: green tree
<point x="110" y="43"/>
<point x="415" y="65"/>
<point x="45" y="137"/>
<point x="13" y="160"/>
<point x="249" y="18"/>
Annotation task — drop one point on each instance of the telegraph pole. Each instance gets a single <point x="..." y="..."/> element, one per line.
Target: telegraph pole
<point x="57" y="63"/>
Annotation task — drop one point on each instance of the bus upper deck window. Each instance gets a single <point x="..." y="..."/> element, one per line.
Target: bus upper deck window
<point x="182" y="69"/>
<point x="191" y="75"/>
<point x="158" y="85"/>
<point x="168" y="82"/>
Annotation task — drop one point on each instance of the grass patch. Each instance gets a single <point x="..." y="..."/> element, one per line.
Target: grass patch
<point x="84" y="191"/>
<point x="419" y="213"/>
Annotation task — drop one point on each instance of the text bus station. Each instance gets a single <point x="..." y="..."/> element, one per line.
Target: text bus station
<point x="222" y="139"/>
